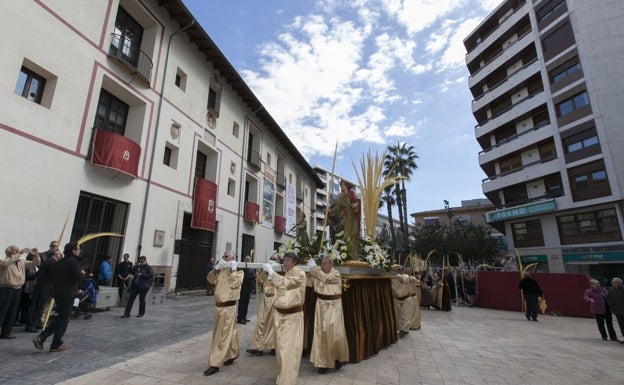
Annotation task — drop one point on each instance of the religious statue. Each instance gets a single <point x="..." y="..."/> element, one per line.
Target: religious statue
<point x="302" y="229"/>
<point x="345" y="216"/>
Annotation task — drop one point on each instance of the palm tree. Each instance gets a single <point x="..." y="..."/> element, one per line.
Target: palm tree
<point x="401" y="161"/>
<point x="388" y="198"/>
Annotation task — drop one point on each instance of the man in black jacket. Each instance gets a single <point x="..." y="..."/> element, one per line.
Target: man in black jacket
<point x="249" y="280"/>
<point x="531" y="290"/>
<point x="66" y="274"/>
<point x="143" y="278"/>
<point x="44" y="289"/>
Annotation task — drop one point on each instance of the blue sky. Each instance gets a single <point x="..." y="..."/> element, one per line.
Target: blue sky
<point x="365" y="74"/>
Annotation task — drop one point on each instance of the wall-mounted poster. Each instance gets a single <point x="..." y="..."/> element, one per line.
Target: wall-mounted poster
<point x="268" y="197"/>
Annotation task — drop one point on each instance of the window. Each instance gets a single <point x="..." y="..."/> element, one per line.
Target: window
<point x="551" y="8"/>
<point x="527" y="234"/>
<point x="589" y="227"/>
<point x="572" y="104"/>
<point x="170" y="156"/>
<point x="581" y="140"/>
<point x="510" y="164"/>
<point x="180" y="79"/>
<point x="214" y="95"/>
<point x="559" y="40"/>
<point x="568" y="68"/>
<point x="201" y="161"/>
<point x="167" y="156"/>
<point x="268" y="159"/>
<point x="231" y="187"/>
<point x="30" y="85"/>
<point x="516" y="195"/>
<point x="126" y="41"/>
<point x="589" y="181"/>
<point x="111" y="114"/>
<point x="553" y="185"/>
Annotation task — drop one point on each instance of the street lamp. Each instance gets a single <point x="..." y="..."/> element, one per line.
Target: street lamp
<point x="449" y="212"/>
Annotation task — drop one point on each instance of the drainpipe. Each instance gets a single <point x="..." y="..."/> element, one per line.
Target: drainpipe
<point x="157" y="126"/>
<point x="240" y="189"/>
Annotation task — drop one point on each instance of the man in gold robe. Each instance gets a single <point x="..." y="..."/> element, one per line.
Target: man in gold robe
<point x="264" y="337"/>
<point x="288" y="319"/>
<point x="227" y="281"/>
<point x="329" y="345"/>
<point x="402" y="303"/>
<point x="414" y="291"/>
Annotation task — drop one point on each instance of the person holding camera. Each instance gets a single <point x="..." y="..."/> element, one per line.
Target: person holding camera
<point x="12" y="278"/>
<point x="143" y="278"/>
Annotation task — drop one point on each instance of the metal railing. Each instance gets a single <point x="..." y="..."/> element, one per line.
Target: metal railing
<point x="137" y="61"/>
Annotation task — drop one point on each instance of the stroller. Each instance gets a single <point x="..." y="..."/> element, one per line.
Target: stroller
<point x="84" y="304"/>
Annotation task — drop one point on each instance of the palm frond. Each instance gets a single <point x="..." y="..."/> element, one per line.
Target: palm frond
<point x="372" y="183"/>
<point x="91" y="236"/>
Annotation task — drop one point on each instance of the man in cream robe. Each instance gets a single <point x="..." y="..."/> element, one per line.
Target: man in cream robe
<point x="414" y="291"/>
<point x="227" y="281"/>
<point x="288" y="318"/>
<point x="402" y="303"/>
<point x="264" y="337"/>
<point x="329" y="345"/>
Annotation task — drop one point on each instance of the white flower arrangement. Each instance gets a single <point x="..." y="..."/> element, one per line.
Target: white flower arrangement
<point x="292" y="246"/>
<point x="374" y="254"/>
<point x="337" y="251"/>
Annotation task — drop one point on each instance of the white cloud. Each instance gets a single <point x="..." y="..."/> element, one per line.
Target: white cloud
<point x="455" y="53"/>
<point x="417" y="15"/>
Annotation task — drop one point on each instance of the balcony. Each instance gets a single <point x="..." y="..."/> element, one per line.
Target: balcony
<point x="252" y="212"/>
<point x="521" y="107"/>
<point x="136" y="62"/>
<point x="280" y="181"/>
<point x="523" y="173"/>
<point x="515" y="143"/>
<point x="490" y="37"/>
<point x="114" y="151"/>
<point x="500" y="59"/>
<point x="511" y="81"/>
<point x="255" y="160"/>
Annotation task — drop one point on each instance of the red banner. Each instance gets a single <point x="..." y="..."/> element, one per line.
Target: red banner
<point x="204" y="205"/>
<point x="280" y="224"/>
<point x="115" y="151"/>
<point x="252" y="212"/>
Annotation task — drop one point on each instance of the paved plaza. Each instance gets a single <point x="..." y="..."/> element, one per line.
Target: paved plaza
<point x="466" y="346"/>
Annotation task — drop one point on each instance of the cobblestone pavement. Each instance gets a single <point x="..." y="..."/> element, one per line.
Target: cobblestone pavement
<point x="466" y="346"/>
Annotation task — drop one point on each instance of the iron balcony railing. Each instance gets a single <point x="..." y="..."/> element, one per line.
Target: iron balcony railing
<point x="134" y="59"/>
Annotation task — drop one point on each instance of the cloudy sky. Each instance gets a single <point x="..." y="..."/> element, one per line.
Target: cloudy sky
<point x="365" y="74"/>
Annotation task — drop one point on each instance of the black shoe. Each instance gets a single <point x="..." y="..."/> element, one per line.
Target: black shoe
<point x="254" y="352"/>
<point x="272" y="352"/>
<point x="338" y="365"/>
<point x="30" y="330"/>
<point x="402" y="333"/>
<point x="528" y="318"/>
<point x="535" y="319"/>
<point x="246" y="320"/>
<point x="230" y="361"/>
<point x="615" y="340"/>
<point x="125" y="316"/>
<point x="38" y="343"/>
<point x="605" y="339"/>
<point x="140" y="315"/>
<point x="241" y="322"/>
<point x="210" y="371"/>
<point x="322" y="370"/>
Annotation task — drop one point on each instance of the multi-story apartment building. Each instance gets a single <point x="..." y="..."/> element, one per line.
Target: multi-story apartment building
<point x="547" y="86"/>
<point x="124" y="116"/>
